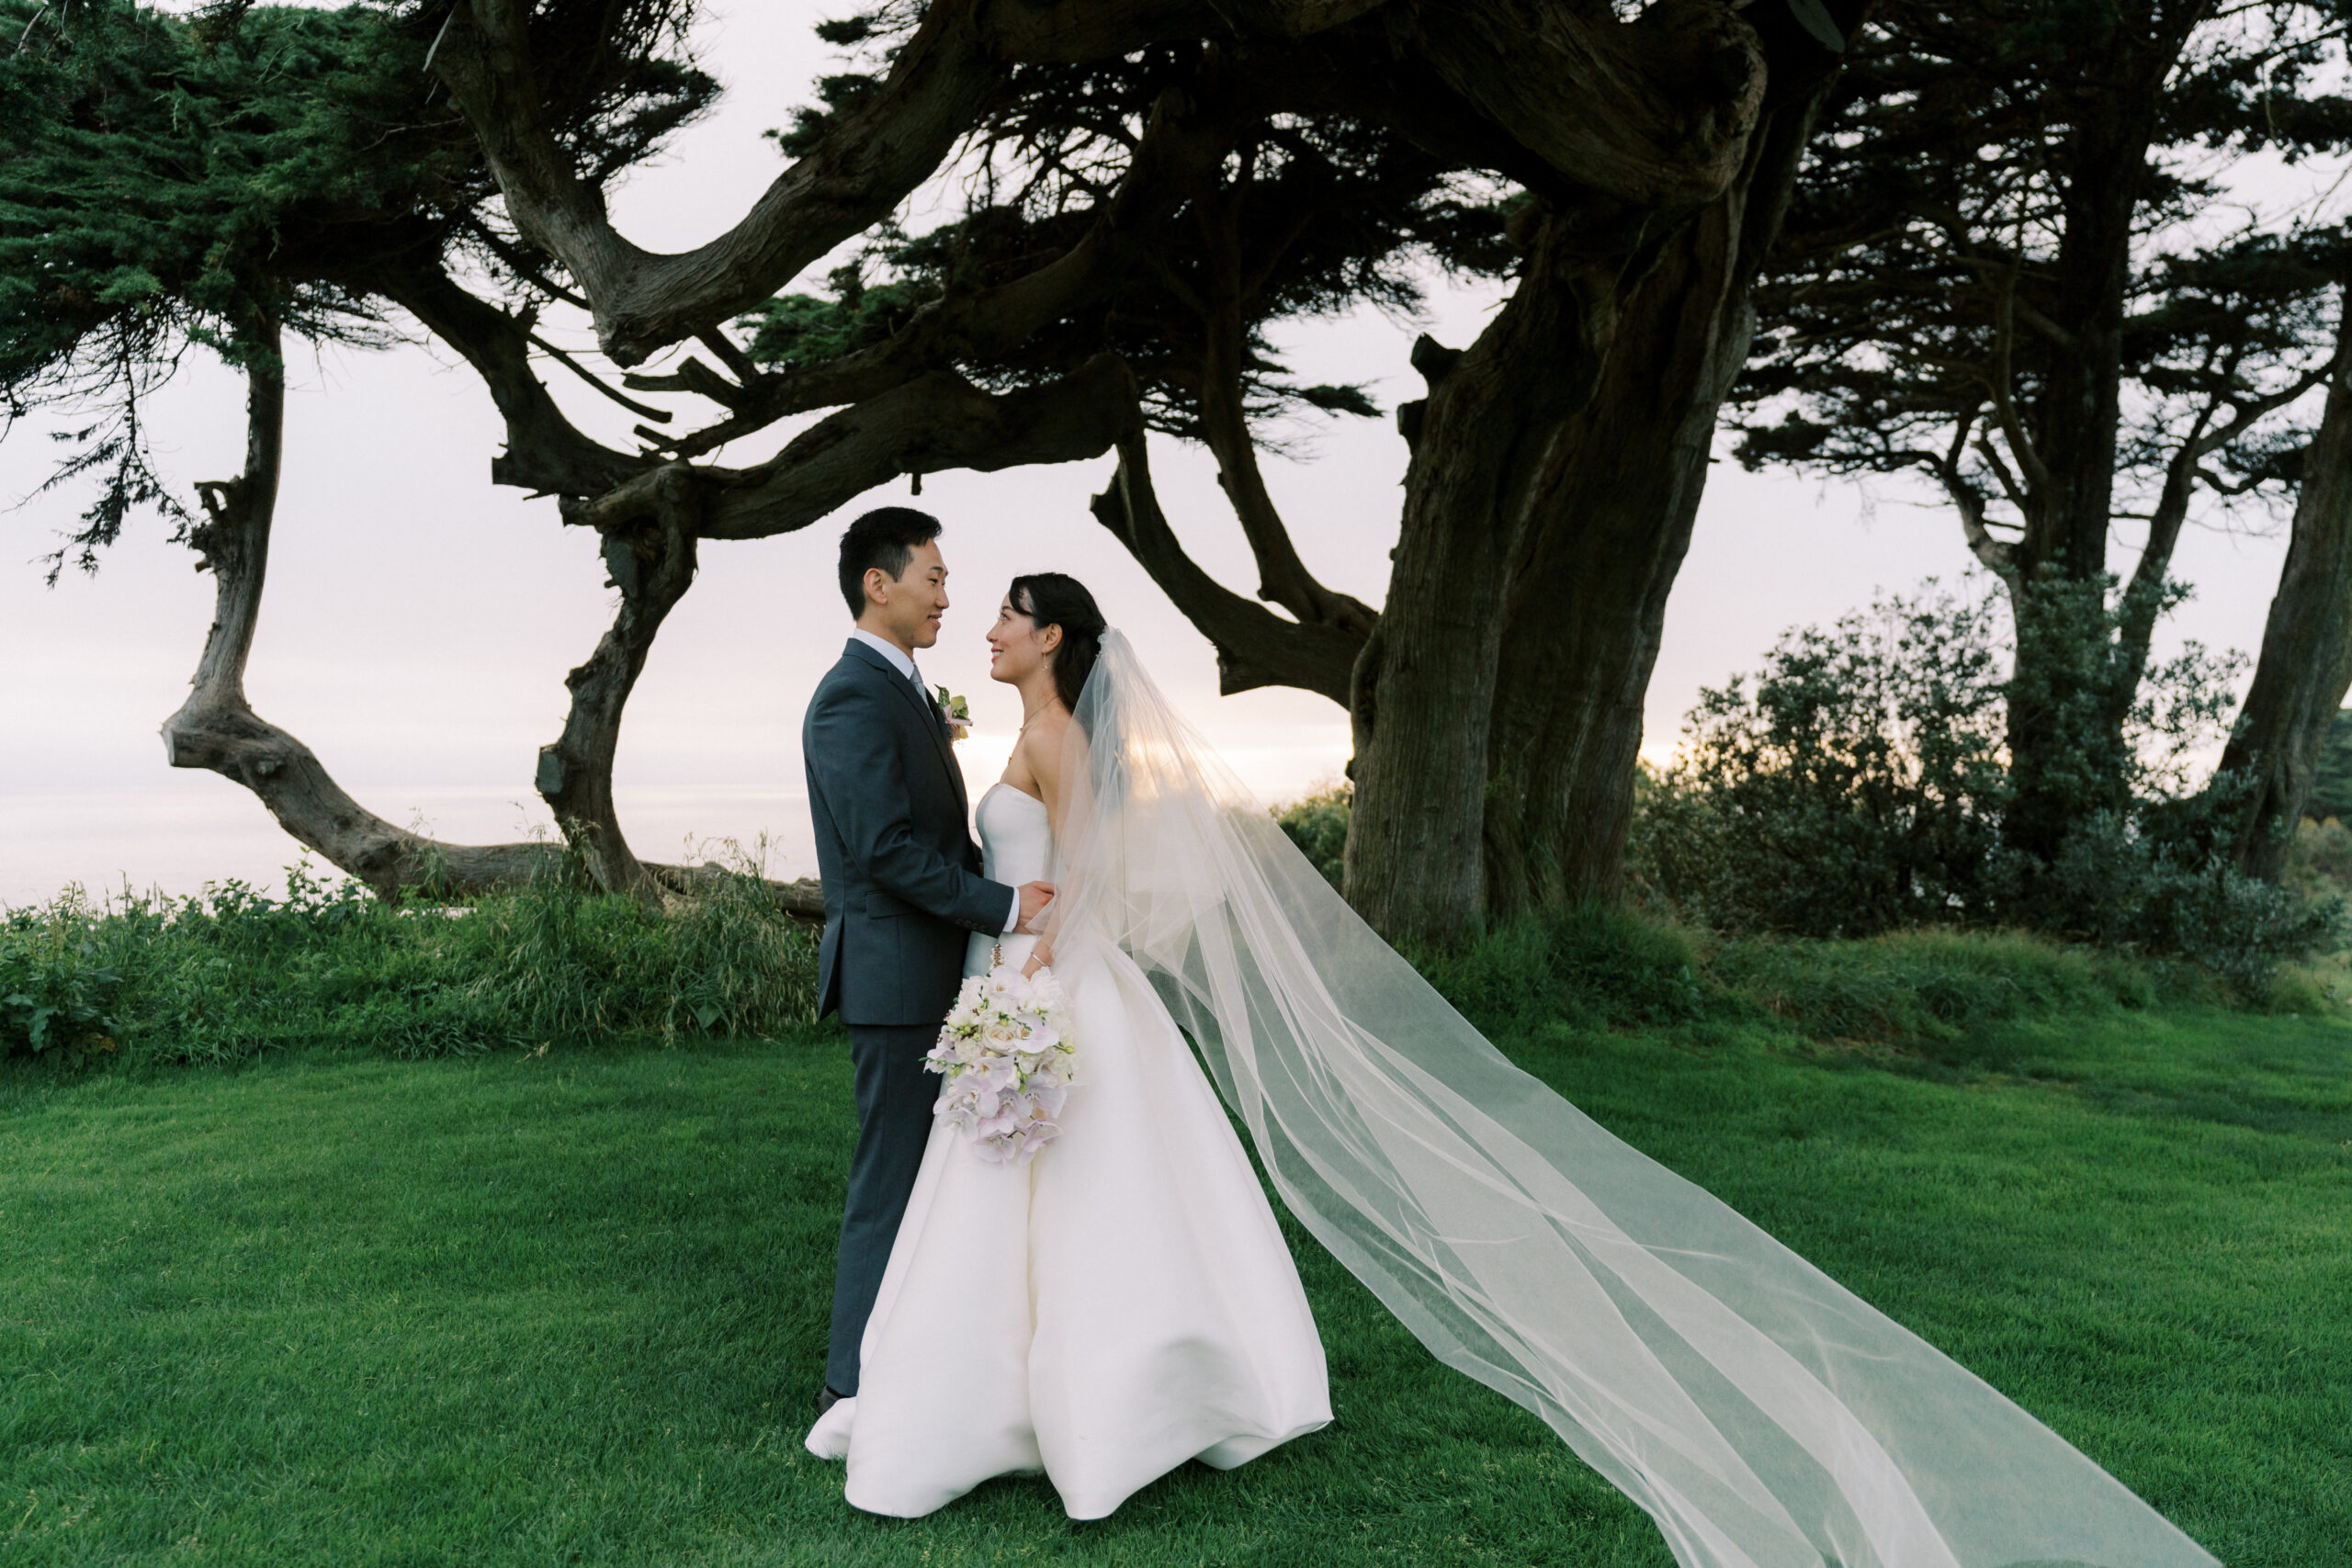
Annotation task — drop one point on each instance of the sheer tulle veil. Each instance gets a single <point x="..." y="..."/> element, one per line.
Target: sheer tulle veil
<point x="1765" y="1416"/>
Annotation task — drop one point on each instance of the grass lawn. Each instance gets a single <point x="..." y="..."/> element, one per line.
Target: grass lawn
<point x="570" y="1308"/>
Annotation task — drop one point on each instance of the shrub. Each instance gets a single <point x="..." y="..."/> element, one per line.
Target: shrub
<point x="1855" y="785"/>
<point x="235" y="973"/>
<point x="1858" y="785"/>
<point x="56" y="987"/>
<point x="1319" y="826"/>
<point x="2319" y="863"/>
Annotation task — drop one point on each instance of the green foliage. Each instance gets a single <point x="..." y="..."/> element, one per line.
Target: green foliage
<point x="2330" y="792"/>
<point x="1952" y="201"/>
<point x="803" y="329"/>
<point x="2319" y="863"/>
<point x="1317" y="824"/>
<point x="235" y="973"/>
<point x="1861" y="784"/>
<point x="1856" y="787"/>
<point x="55" y="989"/>
<point x="167" y="182"/>
<point x="1313" y="215"/>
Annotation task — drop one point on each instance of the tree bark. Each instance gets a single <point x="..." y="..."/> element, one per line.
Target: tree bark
<point x="1585" y="611"/>
<point x="2306" y="662"/>
<point x="217" y="728"/>
<point x="651" y="558"/>
<point x="2073" y="688"/>
<point x="1559" y="612"/>
<point x="1423" y="694"/>
<point x="1254" y="646"/>
<point x="643" y="302"/>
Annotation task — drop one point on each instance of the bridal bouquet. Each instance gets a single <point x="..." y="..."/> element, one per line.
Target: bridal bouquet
<point x="1008" y="1059"/>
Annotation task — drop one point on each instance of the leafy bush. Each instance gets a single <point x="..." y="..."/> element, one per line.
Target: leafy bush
<point x="235" y="973"/>
<point x="1319" y="826"/>
<point x="1855" y="786"/>
<point x="1940" y="995"/>
<point x="2319" y="863"/>
<point x="55" y="986"/>
<point x="1859" y="783"/>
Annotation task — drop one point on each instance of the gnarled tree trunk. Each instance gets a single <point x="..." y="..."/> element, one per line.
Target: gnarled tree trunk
<point x="1560" y="597"/>
<point x="1583" y="619"/>
<point x="217" y="728"/>
<point x="1423" y="697"/>
<point x="2306" y="663"/>
<point x="650" y="555"/>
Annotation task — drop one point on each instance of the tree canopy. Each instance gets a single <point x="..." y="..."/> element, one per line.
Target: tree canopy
<point x="169" y="182"/>
<point x="2018" y="264"/>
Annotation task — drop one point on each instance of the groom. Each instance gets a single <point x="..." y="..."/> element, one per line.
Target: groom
<point x="902" y="886"/>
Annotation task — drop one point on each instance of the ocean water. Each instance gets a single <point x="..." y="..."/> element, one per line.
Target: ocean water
<point x="197" y="829"/>
<point x="177" y="831"/>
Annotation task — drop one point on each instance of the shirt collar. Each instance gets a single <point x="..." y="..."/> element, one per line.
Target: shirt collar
<point x="900" y="660"/>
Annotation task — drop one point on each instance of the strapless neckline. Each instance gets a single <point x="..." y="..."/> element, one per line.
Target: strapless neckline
<point x="1012" y="789"/>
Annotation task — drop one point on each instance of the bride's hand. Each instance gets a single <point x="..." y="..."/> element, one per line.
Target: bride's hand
<point x="1040" y="957"/>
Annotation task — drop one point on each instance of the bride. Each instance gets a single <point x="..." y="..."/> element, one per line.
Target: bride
<point x="1126" y="1303"/>
<point x="1123" y="1303"/>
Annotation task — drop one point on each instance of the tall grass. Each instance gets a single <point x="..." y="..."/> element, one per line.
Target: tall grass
<point x="235" y="973"/>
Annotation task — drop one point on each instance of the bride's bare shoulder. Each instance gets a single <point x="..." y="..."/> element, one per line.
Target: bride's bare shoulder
<point x="1040" y="747"/>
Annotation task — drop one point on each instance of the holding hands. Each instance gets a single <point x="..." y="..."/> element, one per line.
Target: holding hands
<point x="1035" y="898"/>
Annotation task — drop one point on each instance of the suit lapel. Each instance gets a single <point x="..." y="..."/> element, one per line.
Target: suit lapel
<point x="930" y="718"/>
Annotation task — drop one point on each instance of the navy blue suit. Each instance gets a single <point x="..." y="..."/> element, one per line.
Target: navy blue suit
<point x="902" y="889"/>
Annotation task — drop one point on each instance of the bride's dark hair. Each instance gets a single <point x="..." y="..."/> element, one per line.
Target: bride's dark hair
<point x="1052" y="599"/>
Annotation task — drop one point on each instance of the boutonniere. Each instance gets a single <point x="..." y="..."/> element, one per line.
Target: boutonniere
<point x="958" y="716"/>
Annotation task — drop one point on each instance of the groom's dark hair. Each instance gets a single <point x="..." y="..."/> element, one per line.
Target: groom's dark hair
<point x="885" y="536"/>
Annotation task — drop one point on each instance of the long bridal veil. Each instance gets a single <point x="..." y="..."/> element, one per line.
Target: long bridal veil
<point x="1765" y="1416"/>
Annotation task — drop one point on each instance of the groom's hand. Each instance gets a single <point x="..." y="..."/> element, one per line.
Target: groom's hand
<point x="1034" y="896"/>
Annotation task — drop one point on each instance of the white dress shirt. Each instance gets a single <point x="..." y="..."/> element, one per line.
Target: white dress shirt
<point x="904" y="663"/>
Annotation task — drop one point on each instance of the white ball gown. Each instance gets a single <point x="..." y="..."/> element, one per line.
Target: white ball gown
<point x="1123" y="1303"/>
<point x="1127" y="1303"/>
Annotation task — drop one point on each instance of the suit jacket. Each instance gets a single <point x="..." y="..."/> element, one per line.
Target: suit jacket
<point x="894" y="846"/>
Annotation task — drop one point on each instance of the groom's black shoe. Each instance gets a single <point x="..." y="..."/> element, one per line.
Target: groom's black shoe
<point x="826" y="1399"/>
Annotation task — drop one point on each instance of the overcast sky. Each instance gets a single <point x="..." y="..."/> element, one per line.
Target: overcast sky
<point x="419" y="620"/>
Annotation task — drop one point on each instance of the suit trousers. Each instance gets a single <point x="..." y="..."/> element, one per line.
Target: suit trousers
<point x="894" y="1101"/>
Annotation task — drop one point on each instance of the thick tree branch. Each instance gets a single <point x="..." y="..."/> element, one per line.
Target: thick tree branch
<point x="934" y="423"/>
<point x="1655" y="113"/>
<point x="1254" y="645"/>
<point x="1076" y="32"/>
<point x="650" y="556"/>
<point x="2001" y="386"/>
<point x="938" y="85"/>
<point x="545" y="451"/>
<point x="1283" y="577"/>
<point x="1184" y="139"/>
<point x="217" y="728"/>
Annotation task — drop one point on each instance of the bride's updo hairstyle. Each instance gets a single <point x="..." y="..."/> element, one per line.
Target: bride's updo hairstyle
<point x="1052" y="599"/>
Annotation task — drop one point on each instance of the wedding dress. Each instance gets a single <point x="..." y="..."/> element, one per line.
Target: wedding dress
<point x="1123" y="1303"/>
<point x="1761" y="1413"/>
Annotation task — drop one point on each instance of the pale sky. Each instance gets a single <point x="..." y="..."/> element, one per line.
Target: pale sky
<point x="419" y="620"/>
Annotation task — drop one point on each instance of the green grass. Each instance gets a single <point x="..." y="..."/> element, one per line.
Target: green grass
<point x="570" y="1307"/>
